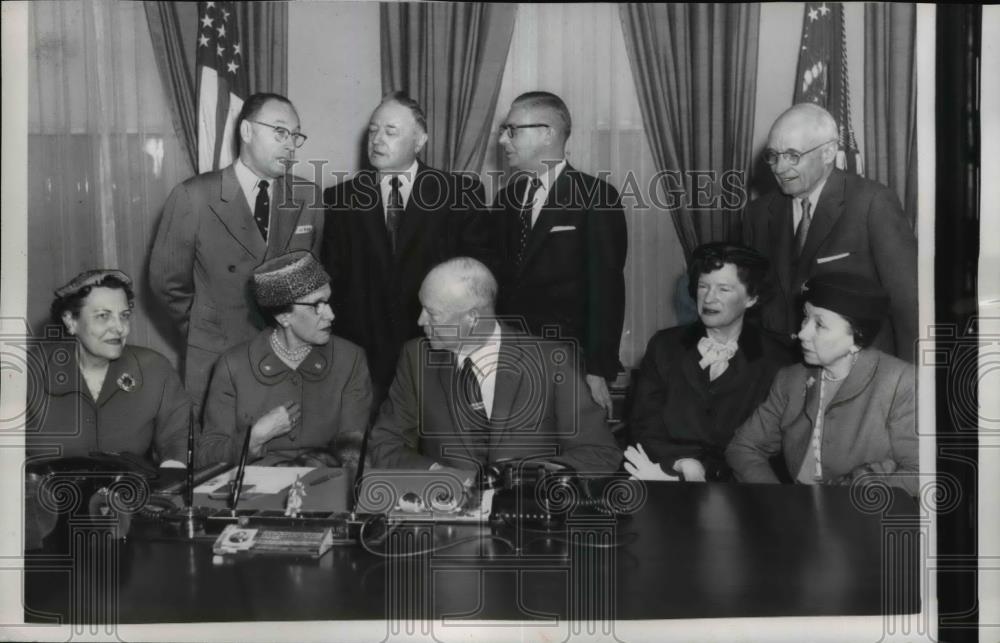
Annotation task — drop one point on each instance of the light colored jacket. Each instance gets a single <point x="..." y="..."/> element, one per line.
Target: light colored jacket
<point x="870" y="419"/>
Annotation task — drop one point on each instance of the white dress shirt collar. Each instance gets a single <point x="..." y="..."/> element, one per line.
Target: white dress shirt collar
<point x="813" y="198"/>
<point x="542" y="194"/>
<point x="484" y="364"/>
<point x="249" y="181"/>
<point x="406" y="178"/>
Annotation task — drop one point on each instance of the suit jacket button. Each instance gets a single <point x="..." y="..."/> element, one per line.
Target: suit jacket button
<point x="232" y="268"/>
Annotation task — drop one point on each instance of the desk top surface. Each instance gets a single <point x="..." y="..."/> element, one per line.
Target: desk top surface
<point x="691" y="551"/>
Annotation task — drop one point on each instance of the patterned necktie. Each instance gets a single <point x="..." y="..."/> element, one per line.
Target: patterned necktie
<point x="803" y="229"/>
<point x="262" y="209"/>
<point x="393" y="212"/>
<point x="471" y="394"/>
<point x="524" y="219"/>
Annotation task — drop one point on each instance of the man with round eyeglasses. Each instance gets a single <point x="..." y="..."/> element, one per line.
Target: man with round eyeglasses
<point x="218" y="226"/>
<point x="821" y="219"/>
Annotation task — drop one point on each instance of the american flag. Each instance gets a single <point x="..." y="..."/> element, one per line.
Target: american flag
<point x="822" y="74"/>
<point x="222" y="83"/>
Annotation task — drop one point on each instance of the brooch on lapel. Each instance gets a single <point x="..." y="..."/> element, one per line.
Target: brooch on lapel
<point x="810" y="382"/>
<point x="126" y="383"/>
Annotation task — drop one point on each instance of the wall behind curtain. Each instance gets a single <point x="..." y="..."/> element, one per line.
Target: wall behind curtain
<point x="578" y="52"/>
<point x="102" y="152"/>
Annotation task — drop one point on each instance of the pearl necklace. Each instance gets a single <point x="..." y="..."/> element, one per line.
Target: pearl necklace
<point x="289" y="355"/>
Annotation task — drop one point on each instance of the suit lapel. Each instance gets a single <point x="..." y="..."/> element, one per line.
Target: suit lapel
<point x="780" y="229"/>
<point x="285" y="210"/>
<point x="828" y="211"/>
<point x="372" y="219"/>
<point x="235" y="214"/>
<point x="446" y="373"/>
<point x="559" y="192"/>
<point x="505" y="392"/>
<point x="415" y="217"/>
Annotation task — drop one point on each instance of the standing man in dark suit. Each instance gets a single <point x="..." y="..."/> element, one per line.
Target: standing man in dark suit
<point x="563" y="240"/>
<point x="218" y="226"/>
<point x="822" y="219"/>
<point x="476" y="392"/>
<point x="387" y="227"/>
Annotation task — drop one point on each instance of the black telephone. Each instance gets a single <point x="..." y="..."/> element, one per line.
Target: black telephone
<point x="108" y="486"/>
<point x="540" y="491"/>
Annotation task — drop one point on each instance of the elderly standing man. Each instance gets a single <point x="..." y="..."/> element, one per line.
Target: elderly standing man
<point x="476" y="392"/>
<point x="563" y="239"/>
<point x="386" y="228"/>
<point x="218" y="226"/>
<point x="822" y="219"/>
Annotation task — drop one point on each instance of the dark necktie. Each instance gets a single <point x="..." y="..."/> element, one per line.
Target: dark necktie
<point x="393" y="212"/>
<point x="803" y="229"/>
<point x="471" y="394"/>
<point x="262" y="209"/>
<point x="524" y="219"/>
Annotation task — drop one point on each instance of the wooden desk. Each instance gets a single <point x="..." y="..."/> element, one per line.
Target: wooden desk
<point x="691" y="551"/>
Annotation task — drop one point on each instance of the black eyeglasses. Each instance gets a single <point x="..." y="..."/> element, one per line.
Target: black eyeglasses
<point x="510" y="130"/>
<point x="315" y="305"/>
<point x="792" y="156"/>
<point x="281" y="134"/>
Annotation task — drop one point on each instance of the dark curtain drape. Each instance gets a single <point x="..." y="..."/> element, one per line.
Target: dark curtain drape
<point x="695" y="69"/>
<point x="450" y="57"/>
<point x="173" y="27"/>
<point x="891" y="100"/>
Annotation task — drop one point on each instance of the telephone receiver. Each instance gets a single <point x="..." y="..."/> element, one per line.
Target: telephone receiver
<point x="106" y="486"/>
<point x="535" y="491"/>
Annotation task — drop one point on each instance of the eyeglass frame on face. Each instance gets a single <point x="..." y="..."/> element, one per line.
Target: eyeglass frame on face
<point x="792" y="156"/>
<point x="511" y="130"/>
<point x="314" y="304"/>
<point x="281" y="134"/>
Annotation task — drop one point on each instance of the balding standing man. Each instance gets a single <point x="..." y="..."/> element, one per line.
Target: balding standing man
<point x="218" y="226"/>
<point x="563" y="240"/>
<point x="386" y="227"/>
<point x="476" y="392"/>
<point x="822" y="219"/>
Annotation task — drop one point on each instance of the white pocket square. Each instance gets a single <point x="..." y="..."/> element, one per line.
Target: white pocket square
<point x="562" y="228"/>
<point x="832" y="257"/>
<point x="302" y="229"/>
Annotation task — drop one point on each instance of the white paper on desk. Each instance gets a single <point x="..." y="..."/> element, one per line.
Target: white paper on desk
<point x="264" y="479"/>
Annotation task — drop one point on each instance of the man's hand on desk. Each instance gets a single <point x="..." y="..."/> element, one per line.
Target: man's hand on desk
<point x="599" y="391"/>
<point x="638" y="464"/>
<point x="172" y="464"/>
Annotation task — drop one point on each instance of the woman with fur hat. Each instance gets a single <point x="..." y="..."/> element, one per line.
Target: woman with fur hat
<point x="848" y="413"/>
<point x="303" y="394"/>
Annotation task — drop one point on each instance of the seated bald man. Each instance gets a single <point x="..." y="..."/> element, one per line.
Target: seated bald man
<point x="475" y="392"/>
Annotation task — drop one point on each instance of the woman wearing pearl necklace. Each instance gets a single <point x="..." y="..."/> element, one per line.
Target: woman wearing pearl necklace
<point x="845" y="416"/>
<point x="303" y="393"/>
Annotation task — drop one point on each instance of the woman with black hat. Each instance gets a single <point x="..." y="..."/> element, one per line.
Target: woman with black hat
<point x="99" y="394"/>
<point x="302" y="393"/>
<point x="846" y="414"/>
<point x="699" y="382"/>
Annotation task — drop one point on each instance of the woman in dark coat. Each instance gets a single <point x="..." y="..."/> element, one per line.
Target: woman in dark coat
<point x="697" y="383"/>
<point x="848" y="413"/>
<point x="303" y="394"/>
<point x="97" y="393"/>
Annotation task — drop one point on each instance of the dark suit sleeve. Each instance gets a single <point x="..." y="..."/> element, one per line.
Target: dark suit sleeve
<point x="472" y="223"/>
<point x="171" y="265"/>
<point x="335" y="252"/>
<point x="894" y="251"/>
<point x="607" y="248"/>
<point x="586" y="442"/>
<point x="651" y="394"/>
<point x="355" y="412"/>
<point x="218" y="441"/>
<point x="173" y="417"/>
<point x="395" y="439"/>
